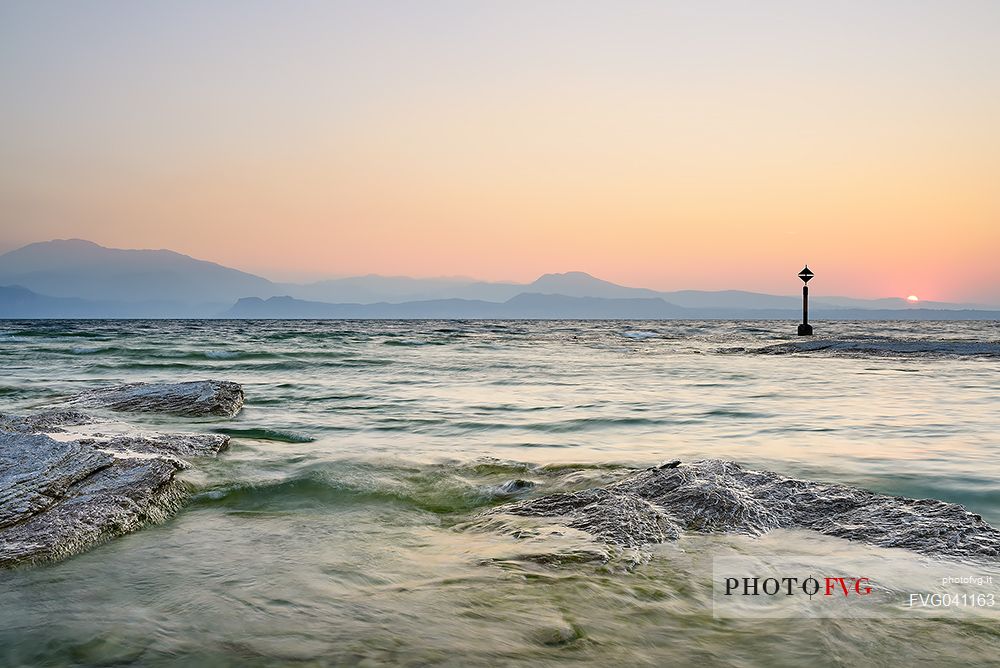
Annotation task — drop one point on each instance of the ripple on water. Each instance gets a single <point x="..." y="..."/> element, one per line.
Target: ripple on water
<point x="266" y="434"/>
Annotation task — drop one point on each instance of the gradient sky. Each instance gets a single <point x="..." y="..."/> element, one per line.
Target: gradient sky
<point x="669" y="145"/>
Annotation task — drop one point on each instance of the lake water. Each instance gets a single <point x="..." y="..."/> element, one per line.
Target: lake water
<point x="334" y="530"/>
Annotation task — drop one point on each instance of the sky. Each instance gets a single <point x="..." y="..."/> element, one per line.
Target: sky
<point x="663" y="144"/>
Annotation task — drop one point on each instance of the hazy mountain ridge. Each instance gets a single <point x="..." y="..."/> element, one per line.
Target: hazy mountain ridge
<point x="536" y="306"/>
<point x="19" y="302"/>
<point x="83" y="269"/>
<point x="77" y="278"/>
<point x="521" y="306"/>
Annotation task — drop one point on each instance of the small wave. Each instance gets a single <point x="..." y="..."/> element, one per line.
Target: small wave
<point x="590" y="423"/>
<point x="358" y="362"/>
<point x="314" y="336"/>
<point x="222" y="355"/>
<point x="640" y="335"/>
<point x="437" y="424"/>
<point x="58" y="332"/>
<point x="733" y="413"/>
<point x="334" y="397"/>
<point x="169" y="356"/>
<point x="265" y="434"/>
<point x="582" y="466"/>
<point x="90" y="350"/>
<point x="432" y="491"/>
<point x="287" y="365"/>
<point x="491" y="466"/>
<point x="282" y="495"/>
<point x="110" y="366"/>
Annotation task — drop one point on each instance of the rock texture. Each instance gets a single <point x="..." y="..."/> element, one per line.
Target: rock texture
<point x="200" y="398"/>
<point x="60" y="496"/>
<point x="160" y="445"/>
<point x="51" y="421"/>
<point x="657" y="504"/>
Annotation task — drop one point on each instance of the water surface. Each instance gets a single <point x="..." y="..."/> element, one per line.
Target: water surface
<point x="334" y="530"/>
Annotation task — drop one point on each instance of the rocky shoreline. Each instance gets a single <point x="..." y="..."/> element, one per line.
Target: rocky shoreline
<point x="660" y="504"/>
<point x="70" y="480"/>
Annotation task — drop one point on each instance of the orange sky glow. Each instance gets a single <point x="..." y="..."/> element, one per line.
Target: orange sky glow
<point x="663" y="145"/>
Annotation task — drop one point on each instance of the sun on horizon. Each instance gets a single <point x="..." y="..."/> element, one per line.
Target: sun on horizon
<point x="913" y="299"/>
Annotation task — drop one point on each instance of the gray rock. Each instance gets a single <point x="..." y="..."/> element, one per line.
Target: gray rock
<point x="656" y="504"/>
<point x="58" y="497"/>
<point x="47" y="421"/>
<point x="36" y="471"/>
<point x="200" y="398"/>
<point x="178" y="445"/>
<point x="620" y="519"/>
<point x="115" y="500"/>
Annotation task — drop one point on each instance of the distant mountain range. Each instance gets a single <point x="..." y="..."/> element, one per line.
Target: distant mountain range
<point x="82" y="269"/>
<point x="80" y="279"/>
<point x="527" y="305"/>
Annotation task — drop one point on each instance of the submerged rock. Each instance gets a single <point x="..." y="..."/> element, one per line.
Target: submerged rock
<point x="200" y="398"/>
<point x="657" y="504"/>
<point x="59" y="496"/>
<point x="614" y="518"/>
<point x="514" y="487"/>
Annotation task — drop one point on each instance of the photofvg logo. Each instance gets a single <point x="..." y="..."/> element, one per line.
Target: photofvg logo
<point x="891" y="585"/>
<point x="788" y="586"/>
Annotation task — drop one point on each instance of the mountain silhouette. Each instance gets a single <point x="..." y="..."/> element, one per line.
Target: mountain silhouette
<point x="581" y="284"/>
<point x="522" y="306"/>
<point x="112" y="282"/>
<point x="83" y="269"/>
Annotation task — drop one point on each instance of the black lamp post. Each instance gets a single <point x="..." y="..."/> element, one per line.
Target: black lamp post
<point x="805" y="329"/>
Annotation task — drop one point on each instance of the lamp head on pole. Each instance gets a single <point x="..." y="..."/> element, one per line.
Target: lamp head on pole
<point x="806" y="274"/>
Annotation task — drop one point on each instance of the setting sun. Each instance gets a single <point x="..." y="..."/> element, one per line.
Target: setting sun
<point x="913" y="299"/>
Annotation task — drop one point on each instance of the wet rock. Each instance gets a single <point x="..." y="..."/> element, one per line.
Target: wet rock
<point x="36" y="471"/>
<point x="556" y="634"/>
<point x="200" y="398"/>
<point x="179" y="445"/>
<point x="59" y="496"/>
<point x="45" y="421"/>
<point x="657" y="504"/>
<point x="707" y="496"/>
<point x="614" y="518"/>
<point x="115" y="500"/>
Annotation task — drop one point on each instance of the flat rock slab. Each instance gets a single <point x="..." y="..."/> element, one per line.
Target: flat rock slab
<point x="161" y="445"/>
<point x="36" y="470"/>
<point x="659" y="504"/>
<point x="201" y="398"/>
<point x="59" y="496"/>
